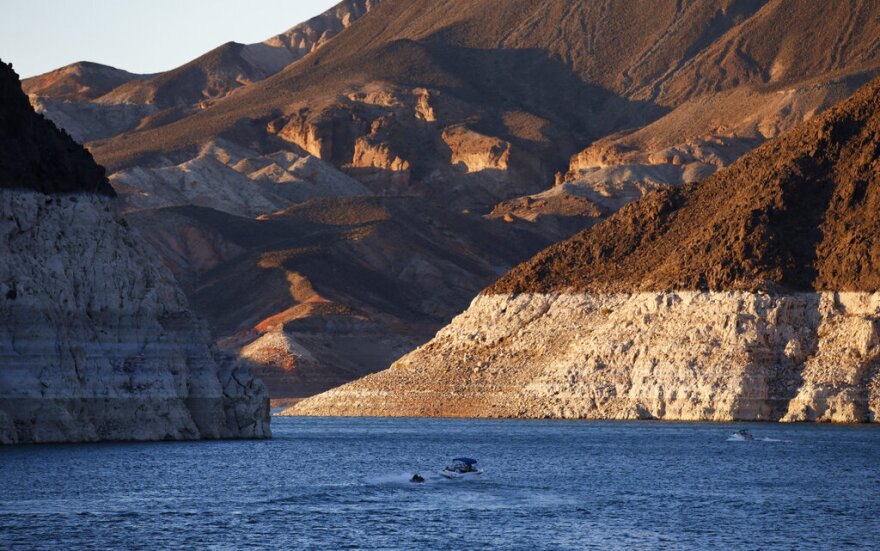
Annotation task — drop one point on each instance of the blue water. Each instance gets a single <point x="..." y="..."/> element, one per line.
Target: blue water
<point x="341" y="483"/>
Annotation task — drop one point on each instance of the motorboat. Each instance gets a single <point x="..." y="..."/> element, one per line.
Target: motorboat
<point x="743" y="434"/>
<point x="461" y="468"/>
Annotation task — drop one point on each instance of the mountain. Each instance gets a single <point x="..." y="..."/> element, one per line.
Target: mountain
<point x="523" y="121"/>
<point x="94" y="101"/>
<point x="752" y="295"/>
<point x="83" y="81"/>
<point x="96" y="339"/>
<point x="536" y="72"/>
<point x="332" y="289"/>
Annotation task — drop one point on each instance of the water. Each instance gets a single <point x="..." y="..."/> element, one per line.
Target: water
<point x="342" y="483"/>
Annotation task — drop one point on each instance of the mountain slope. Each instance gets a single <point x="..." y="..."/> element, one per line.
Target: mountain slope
<point x="626" y="48"/>
<point x="96" y="339"/>
<point x="94" y="101"/>
<point x="607" y="100"/>
<point x="752" y="295"/>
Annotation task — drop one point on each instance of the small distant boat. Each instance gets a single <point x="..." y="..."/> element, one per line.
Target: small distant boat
<point x="743" y="435"/>
<point x="461" y="467"/>
<point x="417" y="479"/>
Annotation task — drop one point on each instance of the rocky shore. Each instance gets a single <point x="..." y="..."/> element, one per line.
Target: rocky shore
<point x="696" y="356"/>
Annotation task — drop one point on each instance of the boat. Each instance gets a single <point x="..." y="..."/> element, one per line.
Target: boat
<point x="461" y="468"/>
<point x="743" y="434"/>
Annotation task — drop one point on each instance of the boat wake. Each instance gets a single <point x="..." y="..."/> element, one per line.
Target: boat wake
<point x="738" y="438"/>
<point x="405" y="479"/>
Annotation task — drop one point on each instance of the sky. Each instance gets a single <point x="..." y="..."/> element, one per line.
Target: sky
<point x="141" y="36"/>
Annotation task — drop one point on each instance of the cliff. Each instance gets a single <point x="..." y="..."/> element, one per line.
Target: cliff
<point x="96" y="339"/>
<point x="753" y="295"/>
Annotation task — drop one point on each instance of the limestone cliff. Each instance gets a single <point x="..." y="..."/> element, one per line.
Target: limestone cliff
<point x="96" y="339"/>
<point x="753" y="295"/>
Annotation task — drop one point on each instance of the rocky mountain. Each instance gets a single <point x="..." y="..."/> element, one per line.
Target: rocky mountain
<point x="96" y="339"/>
<point x="542" y="81"/>
<point x="753" y="295"/>
<point x="523" y="121"/>
<point x="93" y="101"/>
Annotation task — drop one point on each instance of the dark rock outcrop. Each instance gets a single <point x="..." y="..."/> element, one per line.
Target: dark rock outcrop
<point x="35" y="154"/>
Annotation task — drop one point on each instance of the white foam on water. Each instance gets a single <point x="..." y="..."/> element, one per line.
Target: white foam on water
<point x="406" y="479"/>
<point x="738" y="438"/>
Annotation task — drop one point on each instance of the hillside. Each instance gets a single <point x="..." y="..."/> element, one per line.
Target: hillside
<point x="797" y="214"/>
<point x="753" y="295"/>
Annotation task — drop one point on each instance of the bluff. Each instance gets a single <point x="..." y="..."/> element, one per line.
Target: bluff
<point x="97" y="341"/>
<point x="753" y="295"/>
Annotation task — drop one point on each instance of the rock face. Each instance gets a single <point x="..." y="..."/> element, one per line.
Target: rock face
<point x="234" y="180"/>
<point x="96" y="339"/>
<point x="753" y="295"/>
<point x="97" y="342"/>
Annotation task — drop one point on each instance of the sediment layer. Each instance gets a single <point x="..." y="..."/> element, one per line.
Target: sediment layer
<point x="96" y="339"/>
<point x="697" y="356"/>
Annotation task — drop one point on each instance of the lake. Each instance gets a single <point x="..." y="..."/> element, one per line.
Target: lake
<point x="340" y="483"/>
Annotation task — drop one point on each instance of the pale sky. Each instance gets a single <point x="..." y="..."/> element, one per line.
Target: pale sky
<point x="141" y="36"/>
